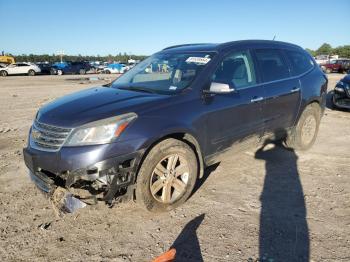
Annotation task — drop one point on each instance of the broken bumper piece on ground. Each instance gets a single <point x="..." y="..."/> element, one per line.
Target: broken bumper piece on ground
<point x="64" y="202"/>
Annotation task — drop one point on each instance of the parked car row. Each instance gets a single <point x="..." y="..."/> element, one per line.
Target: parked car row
<point x="60" y="68"/>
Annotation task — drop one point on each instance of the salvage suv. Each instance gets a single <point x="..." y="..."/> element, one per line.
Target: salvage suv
<point x="150" y="134"/>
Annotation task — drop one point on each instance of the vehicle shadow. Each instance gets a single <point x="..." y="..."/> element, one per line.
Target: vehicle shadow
<point x="284" y="234"/>
<point x="207" y="171"/>
<point x="186" y="244"/>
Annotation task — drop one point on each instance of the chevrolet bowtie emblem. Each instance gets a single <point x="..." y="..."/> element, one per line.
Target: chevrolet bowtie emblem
<point x="36" y="134"/>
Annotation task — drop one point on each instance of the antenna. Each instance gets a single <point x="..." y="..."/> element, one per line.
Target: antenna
<point x="274" y="37"/>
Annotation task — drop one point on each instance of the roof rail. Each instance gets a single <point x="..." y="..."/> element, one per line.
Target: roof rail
<point x="175" y="46"/>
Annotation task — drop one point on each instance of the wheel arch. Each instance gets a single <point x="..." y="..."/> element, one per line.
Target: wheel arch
<point x="185" y="137"/>
<point x="313" y="101"/>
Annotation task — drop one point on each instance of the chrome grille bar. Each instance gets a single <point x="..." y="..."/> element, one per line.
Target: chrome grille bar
<point x="47" y="137"/>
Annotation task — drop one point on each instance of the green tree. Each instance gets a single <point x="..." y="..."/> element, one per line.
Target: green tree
<point x="343" y="51"/>
<point x="312" y="52"/>
<point x="325" y="49"/>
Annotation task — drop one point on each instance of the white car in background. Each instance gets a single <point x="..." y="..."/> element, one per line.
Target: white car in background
<point x="20" y="69"/>
<point x="115" y="68"/>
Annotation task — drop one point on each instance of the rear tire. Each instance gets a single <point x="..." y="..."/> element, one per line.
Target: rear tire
<point x="328" y="70"/>
<point x="304" y="134"/>
<point x="31" y="72"/>
<point x="167" y="176"/>
<point x="3" y="73"/>
<point x="82" y="72"/>
<point x="59" y="72"/>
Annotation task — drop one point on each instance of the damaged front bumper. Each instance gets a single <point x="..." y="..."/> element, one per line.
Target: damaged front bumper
<point x="105" y="180"/>
<point x="341" y="97"/>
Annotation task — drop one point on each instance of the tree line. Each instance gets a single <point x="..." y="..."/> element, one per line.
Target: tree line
<point x="324" y="49"/>
<point x="327" y="49"/>
<point x="123" y="58"/>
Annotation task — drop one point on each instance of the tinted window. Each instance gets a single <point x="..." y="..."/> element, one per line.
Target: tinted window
<point x="236" y="69"/>
<point x="272" y="65"/>
<point x="300" y="62"/>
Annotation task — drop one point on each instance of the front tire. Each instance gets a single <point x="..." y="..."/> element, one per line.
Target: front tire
<point x="3" y="73"/>
<point x="59" y="72"/>
<point x="31" y="72"/>
<point x="167" y="176"/>
<point x="304" y="134"/>
<point x="82" y="72"/>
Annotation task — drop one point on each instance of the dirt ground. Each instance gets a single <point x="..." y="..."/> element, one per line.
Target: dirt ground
<point x="271" y="204"/>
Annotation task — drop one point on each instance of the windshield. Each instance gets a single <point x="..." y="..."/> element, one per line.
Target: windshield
<point x="164" y="73"/>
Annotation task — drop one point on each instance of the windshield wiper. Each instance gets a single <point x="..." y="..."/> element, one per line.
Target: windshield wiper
<point x="138" y="88"/>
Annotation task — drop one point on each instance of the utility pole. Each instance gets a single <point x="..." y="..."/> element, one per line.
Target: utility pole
<point x="61" y="54"/>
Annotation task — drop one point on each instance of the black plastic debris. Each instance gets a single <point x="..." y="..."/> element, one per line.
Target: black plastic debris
<point x="44" y="226"/>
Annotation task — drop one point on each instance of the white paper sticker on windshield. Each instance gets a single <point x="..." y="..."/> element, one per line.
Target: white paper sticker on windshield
<point x="172" y="87"/>
<point x="198" y="60"/>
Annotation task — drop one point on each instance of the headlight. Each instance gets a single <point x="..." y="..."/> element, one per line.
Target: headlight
<point x="340" y="86"/>
<point x="339" y="89"/>
<point x="100" y="132"/>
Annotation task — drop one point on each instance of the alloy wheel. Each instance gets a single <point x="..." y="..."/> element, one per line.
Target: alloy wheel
<point x="169" y="179"/>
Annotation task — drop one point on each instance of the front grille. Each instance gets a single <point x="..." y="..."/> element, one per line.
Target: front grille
<point x="48" y="138"/>
<point x="347" y="90"/>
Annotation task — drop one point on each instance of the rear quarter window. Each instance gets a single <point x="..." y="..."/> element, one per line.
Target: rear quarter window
<point x="272" y="64"/>
<point x="300" y="62"/>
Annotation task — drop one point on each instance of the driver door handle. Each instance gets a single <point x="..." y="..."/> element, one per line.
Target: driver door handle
<point x="256" y="99"/>
<point x="295" y="89"/>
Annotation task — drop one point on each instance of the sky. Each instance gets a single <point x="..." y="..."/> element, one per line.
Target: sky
<point x="105" y="27"/>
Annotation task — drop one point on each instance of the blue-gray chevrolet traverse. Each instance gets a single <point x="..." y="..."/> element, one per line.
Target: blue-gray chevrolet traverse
<point x="150" y="134"/>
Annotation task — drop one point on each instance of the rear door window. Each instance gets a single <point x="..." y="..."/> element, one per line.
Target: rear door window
<point x="300" y="62"/>
<point x="272" y="64"/>
<point x="236" y="70"/>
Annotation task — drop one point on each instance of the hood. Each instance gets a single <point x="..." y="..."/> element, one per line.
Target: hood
<point x="94" y="104"/>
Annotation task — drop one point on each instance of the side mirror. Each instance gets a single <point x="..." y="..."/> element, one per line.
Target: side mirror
<point x="219" y="88"/>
